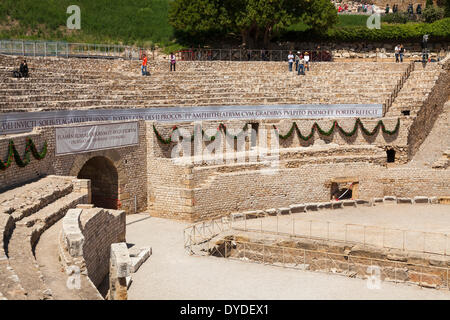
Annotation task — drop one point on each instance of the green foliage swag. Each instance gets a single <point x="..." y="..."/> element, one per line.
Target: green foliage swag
<point x="294" y="127"/>
<point x="23" y="162"/>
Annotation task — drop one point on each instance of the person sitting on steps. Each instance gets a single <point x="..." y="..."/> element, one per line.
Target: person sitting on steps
<point x="23" y="70"/>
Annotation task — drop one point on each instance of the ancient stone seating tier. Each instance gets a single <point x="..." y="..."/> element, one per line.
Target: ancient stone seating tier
<point x="61" y="84"/>
<point x="415" y="90"/>
<point x="25" y="213"/>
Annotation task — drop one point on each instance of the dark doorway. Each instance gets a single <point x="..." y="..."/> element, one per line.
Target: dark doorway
<point x="390" y="155"/>
<point x="104" y="182"/>
<point x="406" y="112"/>
<point x="341" y="192"/>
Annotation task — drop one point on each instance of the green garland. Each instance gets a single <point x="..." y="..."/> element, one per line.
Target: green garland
<point x="208" y="138"/>
<point x="294" y="127"/>
<point x="29" y="148"/>
<point x="358" y="123"/>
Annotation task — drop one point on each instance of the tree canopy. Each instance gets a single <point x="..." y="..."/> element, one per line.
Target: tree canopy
<point x="254" y="20"/>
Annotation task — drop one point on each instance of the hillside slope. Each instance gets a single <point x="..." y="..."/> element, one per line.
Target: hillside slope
<point x="140" y="22"/>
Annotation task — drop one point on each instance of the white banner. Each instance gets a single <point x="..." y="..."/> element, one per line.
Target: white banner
<point x="80" y="139"/>
<point x="26" y="121"/>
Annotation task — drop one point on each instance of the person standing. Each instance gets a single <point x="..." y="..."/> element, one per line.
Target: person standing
<point x="173" y="61"/>
<point x="301" y="66"/>
<point x="144" y="64"/>
<point x="306" y="57"/>
<point x="401" y="52"/>
<point x="23" y="69"/>
<point x="290" y="60"/>
<point x="297" y="58"/>
<point x="397" y="53"/>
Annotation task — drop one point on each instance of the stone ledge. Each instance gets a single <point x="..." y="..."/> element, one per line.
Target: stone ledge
<point x="138" y="259"/>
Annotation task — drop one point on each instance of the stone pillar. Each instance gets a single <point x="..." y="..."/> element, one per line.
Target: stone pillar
<point x="119" y="271"/>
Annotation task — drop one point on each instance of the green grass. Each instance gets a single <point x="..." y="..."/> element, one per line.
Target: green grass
<point x="139" y="22"/>
<point x="350" y="20"/>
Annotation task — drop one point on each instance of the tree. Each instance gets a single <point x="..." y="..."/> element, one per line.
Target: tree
<point x="254" y="20"/>
<point x="197" y="16"/>
<point x="432" y="13"/>
<point x="447" y="8"/>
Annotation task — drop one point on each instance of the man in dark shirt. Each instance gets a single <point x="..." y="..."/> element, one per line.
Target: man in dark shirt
<point x="24" y="69"/>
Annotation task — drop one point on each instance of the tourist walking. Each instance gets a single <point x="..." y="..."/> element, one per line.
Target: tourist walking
<point x="173" y="61"/>
<point x="301" y="66"/>
<point x="144" y="65"/>
<point x="290" y="60"/>
<point x="306" y="57"/>
<point x="397" y="53"/>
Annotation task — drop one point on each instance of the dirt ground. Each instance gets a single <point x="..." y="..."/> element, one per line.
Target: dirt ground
<point x="170" y="273"/>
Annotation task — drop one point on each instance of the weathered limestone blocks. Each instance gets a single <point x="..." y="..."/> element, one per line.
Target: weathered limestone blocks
<point x="72" y="234"/>
<point x="120" y="263"/>
<point x="296" y="208"/>
<point x="138" y="258"/>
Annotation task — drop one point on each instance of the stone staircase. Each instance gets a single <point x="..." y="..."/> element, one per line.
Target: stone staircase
<point x="25" y="213"/>
<point x="415" y="90"/>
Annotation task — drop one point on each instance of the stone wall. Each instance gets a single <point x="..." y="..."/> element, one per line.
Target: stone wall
<point x="100" y="229"/>
<point x="130" y="162"/>
<point x="254" y="190"/>
<point x="430" y="111"/>
<point x="87" y="236"/>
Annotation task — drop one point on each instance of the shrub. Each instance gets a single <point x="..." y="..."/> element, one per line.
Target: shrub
<point x="432" y="14"/>
<point x="398" y="17"/>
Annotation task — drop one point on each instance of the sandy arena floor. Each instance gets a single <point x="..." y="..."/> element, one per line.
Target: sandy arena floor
<point x="170" y="273"/>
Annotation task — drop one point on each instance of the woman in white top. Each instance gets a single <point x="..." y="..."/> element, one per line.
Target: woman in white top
<point x="397" y="52"/>
<point x="173" y="61"/>
<point x="290" y="60"/>
<point x="306" y="57"/>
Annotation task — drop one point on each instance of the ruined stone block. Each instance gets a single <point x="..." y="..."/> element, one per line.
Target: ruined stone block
<point x="324" y="205"/>
<point x="404" y="200"/>
<point x="271" y="212"/>
<point x="296" y="208"/>
<point x="390" y="199"/>
<point x="421" y="199"/>
<point x="311" y="207"/>
<point x="349" y="203"/>
<point x="284" y="211"/>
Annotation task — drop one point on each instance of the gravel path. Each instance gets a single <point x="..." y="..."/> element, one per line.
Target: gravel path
<point x="172" y="274"/>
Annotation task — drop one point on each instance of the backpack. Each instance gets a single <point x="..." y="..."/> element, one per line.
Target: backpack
<point x="16" y="74"/>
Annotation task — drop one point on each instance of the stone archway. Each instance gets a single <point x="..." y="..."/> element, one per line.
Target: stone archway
<point x="104" y="181"/>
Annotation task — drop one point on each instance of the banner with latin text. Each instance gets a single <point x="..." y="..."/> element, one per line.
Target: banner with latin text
<point x="78" y="139"/>
<point x="26" y="121"/>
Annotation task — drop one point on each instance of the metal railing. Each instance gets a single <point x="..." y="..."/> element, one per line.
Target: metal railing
<point x="69" y="50"/>
<point x="209" y="238"/>
<point x="249" y="55"/>
<point x="398" y="87"/>
<point x="198" y="235"/>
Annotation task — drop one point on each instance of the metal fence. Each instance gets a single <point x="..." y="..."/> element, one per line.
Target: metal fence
<point x="209" y="238"/>
<point x="249" y="55"/>
<point x="69" y="50"/>
<point x="336" y="263"/>
<point x="365" y="235"/>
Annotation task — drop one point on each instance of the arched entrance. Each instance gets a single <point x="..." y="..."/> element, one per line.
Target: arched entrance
<point x="104" y="182"/>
